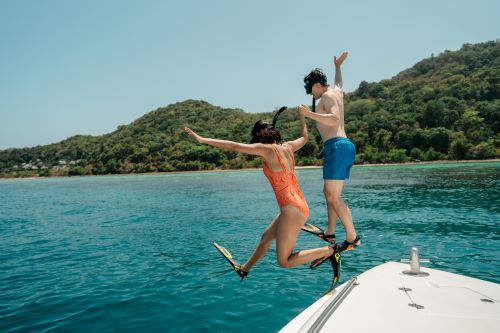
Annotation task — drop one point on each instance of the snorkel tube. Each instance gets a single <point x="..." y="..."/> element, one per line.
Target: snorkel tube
<point x="275" y="118"/>
<point x="260" y="126"/>
<point x="308" y="87"/>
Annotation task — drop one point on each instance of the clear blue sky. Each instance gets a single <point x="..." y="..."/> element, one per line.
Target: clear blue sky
<point x="86" y="67"/>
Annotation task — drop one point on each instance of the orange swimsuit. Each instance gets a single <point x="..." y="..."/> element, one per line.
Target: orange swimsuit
<point x="285" y="185"/>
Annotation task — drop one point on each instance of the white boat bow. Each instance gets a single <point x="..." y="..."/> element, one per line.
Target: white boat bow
<point x="384" y="299"/>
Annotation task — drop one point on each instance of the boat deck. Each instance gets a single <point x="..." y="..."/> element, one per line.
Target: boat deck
<point x="383" y="299"/>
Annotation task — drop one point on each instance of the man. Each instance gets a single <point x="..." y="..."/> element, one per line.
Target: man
<point x="338" y="151"/>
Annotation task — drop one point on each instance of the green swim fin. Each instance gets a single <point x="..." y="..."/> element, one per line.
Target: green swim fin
<point x="229" y="257"/>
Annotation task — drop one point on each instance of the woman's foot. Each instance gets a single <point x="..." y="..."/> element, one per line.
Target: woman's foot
<point x="332" y="249"/>
<point x="239" y="269"/>
<point x="241" y="272"/>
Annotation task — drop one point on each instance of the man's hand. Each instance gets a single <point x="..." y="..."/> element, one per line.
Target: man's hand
<point x="340" y="60"/>
<point x="303" y="110"/>
<point x="193" y="134"/>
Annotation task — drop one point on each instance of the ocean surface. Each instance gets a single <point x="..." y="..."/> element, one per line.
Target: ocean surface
<point x="134" y="253"/>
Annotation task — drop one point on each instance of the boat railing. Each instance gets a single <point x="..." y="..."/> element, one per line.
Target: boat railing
<point x="328" y="308"/>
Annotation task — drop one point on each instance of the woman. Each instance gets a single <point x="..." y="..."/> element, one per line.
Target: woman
<point x="278" y="165"/>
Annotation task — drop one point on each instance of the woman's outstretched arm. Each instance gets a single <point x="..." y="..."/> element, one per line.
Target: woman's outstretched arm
<point x="251" y="149"/>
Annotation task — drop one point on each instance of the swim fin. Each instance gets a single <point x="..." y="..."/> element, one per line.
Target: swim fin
<point x="315" y="230"/>
<point x="347" y="246"/>
<point x="229" y="257"/>
<point x="336" y="261"/>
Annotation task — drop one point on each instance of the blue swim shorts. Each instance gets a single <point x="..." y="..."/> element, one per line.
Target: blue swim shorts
<point x="339" y="155"/>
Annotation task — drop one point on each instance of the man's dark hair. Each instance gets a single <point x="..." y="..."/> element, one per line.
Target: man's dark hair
<point x="316" y="76"/>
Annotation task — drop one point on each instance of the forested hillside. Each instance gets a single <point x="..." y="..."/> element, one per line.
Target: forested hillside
<point x="444" y="107"/>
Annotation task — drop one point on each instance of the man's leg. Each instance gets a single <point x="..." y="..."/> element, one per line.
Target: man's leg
<point x="333" y="191"/>
<point x="332" y="217"/>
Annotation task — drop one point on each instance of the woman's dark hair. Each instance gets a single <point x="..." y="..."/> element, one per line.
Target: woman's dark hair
<point x="263" y="132"/>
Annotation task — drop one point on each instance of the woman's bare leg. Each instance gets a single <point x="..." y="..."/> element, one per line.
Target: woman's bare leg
<point x="265" y="241"/>
<point x="289" y="223"/>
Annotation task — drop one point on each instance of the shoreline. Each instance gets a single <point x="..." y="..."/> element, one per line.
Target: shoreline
<point x="250" y="169"/>
<point x="432" y="162"/>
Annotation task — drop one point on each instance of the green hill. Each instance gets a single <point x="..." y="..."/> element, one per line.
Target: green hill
<point x="444" y="107"/>
<point x="154" y="142"/>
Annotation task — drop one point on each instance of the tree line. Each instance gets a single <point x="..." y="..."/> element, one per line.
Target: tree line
<point x="445" y="107"/>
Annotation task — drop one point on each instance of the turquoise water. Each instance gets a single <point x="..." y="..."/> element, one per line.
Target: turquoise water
<point x="134" y="253"/>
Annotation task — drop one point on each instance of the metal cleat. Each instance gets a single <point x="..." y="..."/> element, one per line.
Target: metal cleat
<point x="415" y="263"/>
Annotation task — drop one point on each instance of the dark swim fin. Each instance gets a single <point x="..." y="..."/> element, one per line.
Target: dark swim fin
<point x="336" y="261"/>
<point x="315" y="230"/>
<point x="348" y="246"/>
<point x="229" y="257"/>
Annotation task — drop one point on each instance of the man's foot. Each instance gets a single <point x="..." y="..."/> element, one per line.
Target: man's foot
<point x="347" y="245"/>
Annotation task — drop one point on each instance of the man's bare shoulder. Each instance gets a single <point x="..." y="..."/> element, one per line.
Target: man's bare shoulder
<point x="334" y="92"/>
<point x="330" y="96"/>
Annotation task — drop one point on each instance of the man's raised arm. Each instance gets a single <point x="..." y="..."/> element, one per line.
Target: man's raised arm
<point x="338" y="74"/>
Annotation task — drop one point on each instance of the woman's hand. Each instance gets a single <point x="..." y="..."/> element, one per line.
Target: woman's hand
<point x="193" y="134"/>
<point x="303" y="110"/>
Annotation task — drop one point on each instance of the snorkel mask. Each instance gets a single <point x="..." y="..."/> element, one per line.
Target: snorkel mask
<point x="308" y="88"/>
<point x="316" y="76"/>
